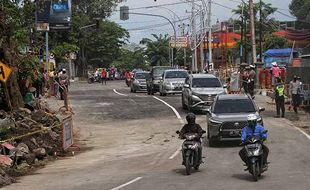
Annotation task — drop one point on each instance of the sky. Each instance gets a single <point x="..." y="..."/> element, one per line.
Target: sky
<point x="138" y="26"/>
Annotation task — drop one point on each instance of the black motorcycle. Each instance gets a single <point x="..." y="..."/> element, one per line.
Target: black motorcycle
<point x="190" y="151"/>
<point x="254" y="153"/>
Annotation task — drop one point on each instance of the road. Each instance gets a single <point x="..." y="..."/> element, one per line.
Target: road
<point x="132" y="146"/>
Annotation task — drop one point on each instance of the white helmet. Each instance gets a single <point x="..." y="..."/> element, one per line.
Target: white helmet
<point x="252" y="120"/>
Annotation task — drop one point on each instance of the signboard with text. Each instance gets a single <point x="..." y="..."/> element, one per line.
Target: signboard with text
<point x="179" y="42"/>
<point x="67" y="133"/>
<point x="42" y="15"/>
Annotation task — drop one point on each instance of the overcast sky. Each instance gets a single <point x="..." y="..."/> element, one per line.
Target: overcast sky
<point x="135" y="23"/>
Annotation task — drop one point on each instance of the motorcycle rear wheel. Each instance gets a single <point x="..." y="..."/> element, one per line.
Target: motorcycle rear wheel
<point x="188" y="165"/>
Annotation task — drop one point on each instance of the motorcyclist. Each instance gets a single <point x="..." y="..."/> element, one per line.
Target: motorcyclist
<point x="192" y="127"/>
<point x="253" y="129"/>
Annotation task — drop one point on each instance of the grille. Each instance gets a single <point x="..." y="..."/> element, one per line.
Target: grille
<point x="207" y="97"/>
<point x="232" y="125"/>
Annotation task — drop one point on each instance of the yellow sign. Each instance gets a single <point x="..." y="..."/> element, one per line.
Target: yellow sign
<point x="5" y="72"/>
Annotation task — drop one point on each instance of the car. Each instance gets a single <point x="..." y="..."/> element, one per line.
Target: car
<point x="154" y="80"/>
<point x="200" y="90"/>
<point x="172" y="81"/>
<point x="228" y="116"/>
<point x="138" y="82"/>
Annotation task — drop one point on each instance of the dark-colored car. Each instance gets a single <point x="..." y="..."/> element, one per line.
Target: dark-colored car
<point x="200" y="90"/>
<point x="155" y="77"/>
<point x="138" y="82"/>
<point x="228" y="116"/>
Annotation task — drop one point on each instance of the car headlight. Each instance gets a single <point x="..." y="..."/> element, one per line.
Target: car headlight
<point x="215" y="122"/>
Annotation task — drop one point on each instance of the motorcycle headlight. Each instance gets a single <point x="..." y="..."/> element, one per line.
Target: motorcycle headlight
<point x="196" y="98"/>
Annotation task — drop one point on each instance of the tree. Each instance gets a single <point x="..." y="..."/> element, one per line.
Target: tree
<point x="131" y="59"/>
<point x="275" y="42"/>
<point x="157" y="50"/>
<point x="300" y="9"/>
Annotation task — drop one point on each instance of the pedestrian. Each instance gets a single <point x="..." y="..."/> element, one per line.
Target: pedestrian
<point x="251" y="80"/>
<point x="38" y="83"/>
<point x="228" y="85"/>
<point x="301" y="98"/>
<point x="104" y="76"/>
<point x="279" y="97"/>
<point x="64" y="81"/>
<point x="245" y="78"/>
<point x="275" y="72"/>
<point x="295" y="93"/>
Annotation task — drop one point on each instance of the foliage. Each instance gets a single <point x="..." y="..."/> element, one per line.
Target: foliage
<point x="131" y="60"/>
<point x="157" y="50"/>
<point x="275" y="42"/>
<point x="300" y="9"/>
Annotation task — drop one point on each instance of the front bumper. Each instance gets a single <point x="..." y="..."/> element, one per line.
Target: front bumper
<point x="201" y="106"/>
<point x="140" y="87"/>
<point x="172" y="89"/>
<point x="217" y="132"/>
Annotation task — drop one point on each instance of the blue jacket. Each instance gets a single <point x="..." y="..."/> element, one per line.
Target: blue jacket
<point x="248" y="132"/>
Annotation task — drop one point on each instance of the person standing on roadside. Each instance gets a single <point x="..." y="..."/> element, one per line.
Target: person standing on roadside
<point x="295" y="93"/>
<point x="251" y="80"/>
<point x="104" y="76"/>
<point x="279" y="97"/>
<point x="245" y="78"/>
<point x="275" y="72"/>
<point x="64" y="82"/>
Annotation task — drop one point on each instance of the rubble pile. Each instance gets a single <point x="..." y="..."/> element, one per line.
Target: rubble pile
<point x="26" y="139"/>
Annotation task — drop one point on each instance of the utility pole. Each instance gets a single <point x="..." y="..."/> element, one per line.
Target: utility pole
<point x="242" y="33"/>
<point x="202" y="44"/>
<point x="194" y="57"/>
<point x="260" y="32"/>
<point x="254" y="59"/>
<point x="210" y="62"/>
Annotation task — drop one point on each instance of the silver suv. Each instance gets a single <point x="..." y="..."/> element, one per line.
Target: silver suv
<point x="172" y="81"/>
<point x="200" y="90"/>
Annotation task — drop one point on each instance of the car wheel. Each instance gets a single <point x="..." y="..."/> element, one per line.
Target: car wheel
<point x="164" y="94"/>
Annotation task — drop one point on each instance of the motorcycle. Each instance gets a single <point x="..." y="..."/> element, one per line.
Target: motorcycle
<point x="254" y="152"/>
<point x="92" y="79"/>
<point x="128" y="81"/>
<point x="190" y="147"/>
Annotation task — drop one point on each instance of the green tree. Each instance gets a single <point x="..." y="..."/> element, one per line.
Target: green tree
<point x="275" y="42"/>
<point x="157" y="50"/>
<point x="300" y="9"/>
<point x="131" y="60"/>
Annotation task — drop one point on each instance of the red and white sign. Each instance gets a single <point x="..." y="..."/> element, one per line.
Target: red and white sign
<point x="179" y="42"/>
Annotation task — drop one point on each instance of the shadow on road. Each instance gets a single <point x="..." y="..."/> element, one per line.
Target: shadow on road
<point x="245" y="177"/>
<point x="182" y="171"/>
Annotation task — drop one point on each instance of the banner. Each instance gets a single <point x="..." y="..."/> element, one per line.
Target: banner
<point x="42" y="15"/>
<point x="60" y="15"/>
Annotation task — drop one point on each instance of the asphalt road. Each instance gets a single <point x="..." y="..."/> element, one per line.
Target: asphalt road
<point x="132" y="146"/>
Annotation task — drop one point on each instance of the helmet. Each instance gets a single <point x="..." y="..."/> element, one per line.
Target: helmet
<point x="191" y="118"/>
<point x="252" y="120"/>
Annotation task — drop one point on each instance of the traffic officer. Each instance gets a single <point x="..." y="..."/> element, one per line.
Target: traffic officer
<point x="279" y="97"/>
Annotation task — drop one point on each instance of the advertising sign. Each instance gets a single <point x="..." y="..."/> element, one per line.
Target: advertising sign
<point x="42" y="15"/>
<point x="67" y="133"/>
<point x="60" y="15"/>
<point x="180" y="42"/>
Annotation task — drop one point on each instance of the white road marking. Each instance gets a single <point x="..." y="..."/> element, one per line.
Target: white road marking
<point x="303" y="132"/>
<point x="175" y="154"/>
<point x="181" y="121"/>
<point x="173" y="109"/>
<point x="128" y="183"/>
<point x="119" y="93"/>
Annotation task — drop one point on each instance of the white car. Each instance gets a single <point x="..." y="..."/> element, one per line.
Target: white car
<point x="172" y="81"/>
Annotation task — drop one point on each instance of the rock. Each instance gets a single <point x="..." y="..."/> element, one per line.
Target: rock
<point x="39" y="153"/>
<point x="30" y="158"/>
<point x="23" y="148"/>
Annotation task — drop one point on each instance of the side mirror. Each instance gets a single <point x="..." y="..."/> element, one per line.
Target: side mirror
<point x="160" y="78"/>
<point x="225" y="86"/>
<point x="203" y="131"/>
<point x="261" y="109"/>
<point x="186" y="85"/>
<point x="177" y="132"/>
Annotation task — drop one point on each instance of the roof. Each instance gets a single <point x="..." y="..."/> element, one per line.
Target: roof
<point x="203" y="76"/>
<point x="175" y="70"/>
<point x="232" y="96"/>
<point x="278" y="52"/>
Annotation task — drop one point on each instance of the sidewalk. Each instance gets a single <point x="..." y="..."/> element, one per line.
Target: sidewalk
<point x="300" y="120"/>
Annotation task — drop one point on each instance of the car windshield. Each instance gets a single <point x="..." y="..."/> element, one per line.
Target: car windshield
<point x="206" y="83"/>
<point x="159" y="71"/>
<point x="176" y="74"/>
<point x="141" y="75"/>
<point x="234" y="106"/>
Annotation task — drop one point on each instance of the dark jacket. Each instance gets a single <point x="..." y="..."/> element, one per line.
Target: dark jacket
<point x="191" y="128"/>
